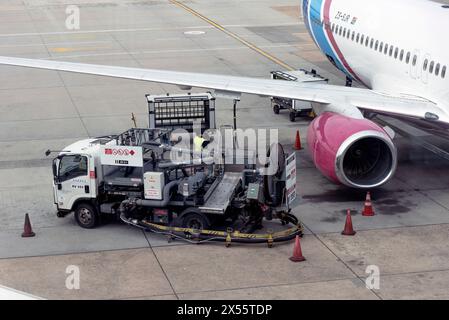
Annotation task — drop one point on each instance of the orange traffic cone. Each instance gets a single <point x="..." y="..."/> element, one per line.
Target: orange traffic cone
<point x="368" y="208"/>
<point x="297" y="252"/>
<point x="27" y="230"/>
<point x="297" y="145"/>
<point x="348" y="231"/>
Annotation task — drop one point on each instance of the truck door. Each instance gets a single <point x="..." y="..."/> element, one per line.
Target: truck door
<point x="73" y="180"/>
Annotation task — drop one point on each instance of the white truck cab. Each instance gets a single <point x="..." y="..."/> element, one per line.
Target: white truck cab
<point x="75" y="181"/>
<point x="79" y="171"/>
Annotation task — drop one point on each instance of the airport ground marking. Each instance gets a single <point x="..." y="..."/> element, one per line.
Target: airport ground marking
<point x="233" y="35"/>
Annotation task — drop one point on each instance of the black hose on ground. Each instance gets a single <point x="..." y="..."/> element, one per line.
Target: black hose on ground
<point x="199" y="238"/>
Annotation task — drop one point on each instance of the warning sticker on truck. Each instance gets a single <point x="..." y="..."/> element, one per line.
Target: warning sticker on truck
<point x="290" y="182"/>
<point x="122" y="156"/>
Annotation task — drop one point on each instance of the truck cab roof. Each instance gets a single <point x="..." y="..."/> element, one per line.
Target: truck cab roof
<point x="87" y="146"/>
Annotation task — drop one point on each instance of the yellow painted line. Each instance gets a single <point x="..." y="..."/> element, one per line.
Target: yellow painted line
<point x="65" y="49"/>
<point x="233" y="35"/>
<point x="62" y="50"/>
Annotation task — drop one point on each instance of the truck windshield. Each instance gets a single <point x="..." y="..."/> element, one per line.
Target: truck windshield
<point x="72" y="166"/>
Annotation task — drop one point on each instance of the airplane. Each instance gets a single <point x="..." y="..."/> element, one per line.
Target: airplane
<point x="392" y="48"/>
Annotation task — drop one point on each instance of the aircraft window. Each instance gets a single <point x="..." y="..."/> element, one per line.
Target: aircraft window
<point x="415" y="59"/>
<point x="349" y="34"/>
<point x="381" y="48"/>
<point x="391" y="51"/>
<point x="363" y="39"/>
<point x="426" y="63"/>
<point x="396" y="52"/>
<point x="357" y="38"/>
<point x="386" y="48"/>
<point x="401" y="56"/>
<point x="340" y="32"/>
<point x="437" y="69"/>
<point x="371" y="43"/>
<point x="432" y="64"/>
<point x="377" y="45"/>
<point x="367" y="41"/>
<point x="344" y="32"/>
<point x="407" y="60"/>
<point x="443" y="72"/>
<point x="353" y="35"/>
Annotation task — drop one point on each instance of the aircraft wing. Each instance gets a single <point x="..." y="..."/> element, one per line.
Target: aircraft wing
<point x="324" y="97"/>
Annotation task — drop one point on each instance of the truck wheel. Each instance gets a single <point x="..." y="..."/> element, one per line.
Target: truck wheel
<point x="276" y="109"/>
<point x="292" y="116"/>
<point x="86" y="216"/>
<point x="195" y="220"/>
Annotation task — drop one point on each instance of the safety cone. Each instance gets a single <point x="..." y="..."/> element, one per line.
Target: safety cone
<point x="368" y="208"/>
<point x="297" y="252"/>
<point x="27" y="230"/>
<point x="349" y="230"/>
<point x="298" y="141"/>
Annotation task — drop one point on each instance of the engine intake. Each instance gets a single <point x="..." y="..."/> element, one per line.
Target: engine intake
<point x="355" y="152"/>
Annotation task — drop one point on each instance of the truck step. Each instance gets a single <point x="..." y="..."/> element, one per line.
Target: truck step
<point x="220" y="199"/>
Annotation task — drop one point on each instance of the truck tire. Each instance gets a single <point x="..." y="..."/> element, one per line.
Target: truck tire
<point x="86" y="216"/>
<point x="276" y="109"/>
<point x="195" y="220"/>
<point x="292" y="116"/>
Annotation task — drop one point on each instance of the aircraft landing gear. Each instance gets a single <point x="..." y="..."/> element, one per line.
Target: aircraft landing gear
<point x="348" y="81"/>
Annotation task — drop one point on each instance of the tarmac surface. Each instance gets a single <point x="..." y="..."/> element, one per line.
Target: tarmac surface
<point x="407" y="238"/>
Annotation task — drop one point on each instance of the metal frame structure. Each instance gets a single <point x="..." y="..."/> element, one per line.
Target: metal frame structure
<point x="181" y="111"/>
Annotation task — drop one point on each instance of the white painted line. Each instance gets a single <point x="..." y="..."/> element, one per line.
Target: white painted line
<point x="52" y="44"/>
<point x="139" y="29"/>
<point x="194" y="32"/>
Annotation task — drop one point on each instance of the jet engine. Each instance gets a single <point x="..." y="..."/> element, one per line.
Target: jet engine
<point x="355" y="152"/>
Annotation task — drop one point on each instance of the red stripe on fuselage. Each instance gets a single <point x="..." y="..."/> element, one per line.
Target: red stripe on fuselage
<point x="327" y="27"/>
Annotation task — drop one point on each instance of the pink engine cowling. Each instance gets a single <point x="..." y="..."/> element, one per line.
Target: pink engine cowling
<point x="355" y="152"/>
